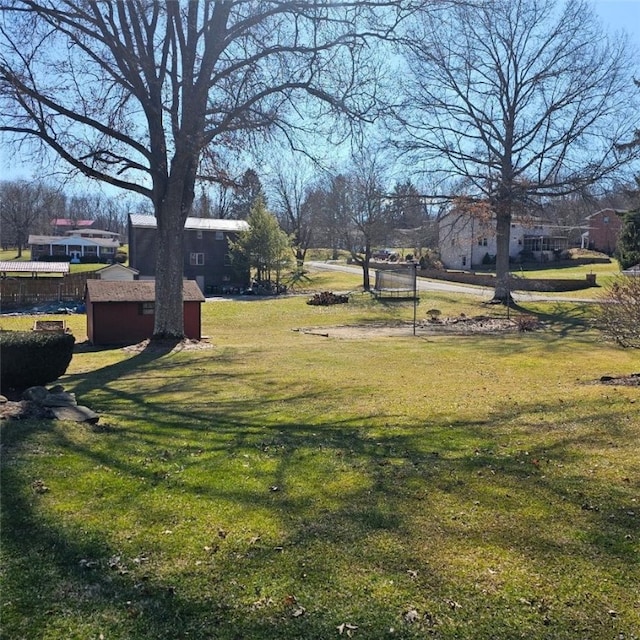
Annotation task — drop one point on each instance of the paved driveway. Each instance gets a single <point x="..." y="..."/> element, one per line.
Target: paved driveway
<point x="425" y="284"/>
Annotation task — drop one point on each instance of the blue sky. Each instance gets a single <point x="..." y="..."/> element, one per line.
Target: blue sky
<point x="621" y="14"/>
<point x="615" y="14"/>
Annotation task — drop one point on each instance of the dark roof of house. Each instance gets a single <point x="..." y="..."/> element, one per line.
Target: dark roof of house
<point x="74" y="240"/>
<point x="619" y="212"/>
<point x="136" y="291"/>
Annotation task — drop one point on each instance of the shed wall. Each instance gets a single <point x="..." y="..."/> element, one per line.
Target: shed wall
<point x="122" y="322"/>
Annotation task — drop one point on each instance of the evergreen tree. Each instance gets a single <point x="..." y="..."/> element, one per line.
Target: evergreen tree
<point x="264" y="246"/>
<point x="628" y="249"/>
<point x="245" y="195"/>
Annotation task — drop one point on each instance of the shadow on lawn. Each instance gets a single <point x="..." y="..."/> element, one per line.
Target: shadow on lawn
<point x="140" y="360"/>
<point x="398" y="519"/>
<point x="564" y="318"/>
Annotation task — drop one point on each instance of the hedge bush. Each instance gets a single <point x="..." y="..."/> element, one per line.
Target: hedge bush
<point x="93" y="260"/>
<point x="30" y="358"/>
<point x="56" y="258"/>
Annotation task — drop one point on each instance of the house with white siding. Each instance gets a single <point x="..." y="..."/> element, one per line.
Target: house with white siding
<point x="76" y="245"/>
<point x="467" y="240"/>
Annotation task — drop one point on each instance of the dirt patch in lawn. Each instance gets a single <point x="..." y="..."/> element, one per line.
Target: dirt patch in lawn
<point x="632" y="380"/>
<point x="459" y="325"/>
<point x="169" y="346"/>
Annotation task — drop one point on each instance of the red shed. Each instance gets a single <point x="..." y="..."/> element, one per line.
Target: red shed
<point x="123" y="312"/>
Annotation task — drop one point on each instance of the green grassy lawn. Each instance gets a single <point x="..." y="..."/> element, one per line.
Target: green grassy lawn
<point x="285" y="485"/>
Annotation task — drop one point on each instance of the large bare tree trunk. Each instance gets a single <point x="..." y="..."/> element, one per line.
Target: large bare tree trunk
<point x="169" y="321"/>
<point x="502" y="293"/>
<point x="366" y="282"/>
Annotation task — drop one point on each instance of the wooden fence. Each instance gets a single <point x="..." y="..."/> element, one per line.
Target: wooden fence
<point x="25" y="292"/>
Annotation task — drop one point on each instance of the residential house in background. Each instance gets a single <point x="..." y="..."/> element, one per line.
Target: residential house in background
<point x="603" y="229"/>
<point x="61" y="225"/>
<point x="120" y="312"/>
<point x="205" y="251"/>
<point x="117" y="272"/>
<point x="467" y="240"/>
<point x="77" y="244"/>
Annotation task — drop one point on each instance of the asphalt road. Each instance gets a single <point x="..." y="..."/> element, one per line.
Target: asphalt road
<point x="425" y="284"/>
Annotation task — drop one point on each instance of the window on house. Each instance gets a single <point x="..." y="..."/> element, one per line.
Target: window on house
<point x="147" y="308"/>
<point x="219" y="235"/>
<point x="606" y="219"/>
<point x="199" y="234"/>
<point x="196" y="259"/>
<point x="464" y="261"/>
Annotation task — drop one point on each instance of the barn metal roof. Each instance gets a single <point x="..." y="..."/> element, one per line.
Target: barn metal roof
<point x="34" y="267"/>
<point x="136" y="291"/>
<point x="204" y="224"/>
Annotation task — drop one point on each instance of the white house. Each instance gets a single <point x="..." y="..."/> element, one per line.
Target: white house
<point x="76" y="244"/>
<point x="467" y="238"/>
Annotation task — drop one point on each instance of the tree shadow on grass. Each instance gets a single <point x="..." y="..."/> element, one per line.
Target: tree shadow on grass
<point x="563" y="319"/>
<point x="411" y="482"/>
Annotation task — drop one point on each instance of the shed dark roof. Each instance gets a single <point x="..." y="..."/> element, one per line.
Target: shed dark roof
<point x="136" y="291"/>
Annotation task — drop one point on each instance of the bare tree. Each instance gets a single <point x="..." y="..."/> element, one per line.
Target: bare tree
<point x="133" y="92"/>
<point x="291" y="186"/>
<point x="364" y="214"/>
<point x="618" y="314"/>
<point x="24" y="208"/>
<point x="522" y="98"/>
<point x="326" y="202"/>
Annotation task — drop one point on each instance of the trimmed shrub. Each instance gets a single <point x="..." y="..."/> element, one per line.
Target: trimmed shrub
<point x="56" y="258"/>
<point x="93" y="260"/>
<point x="33" y="358"/>
<point x="527" y="323"/>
